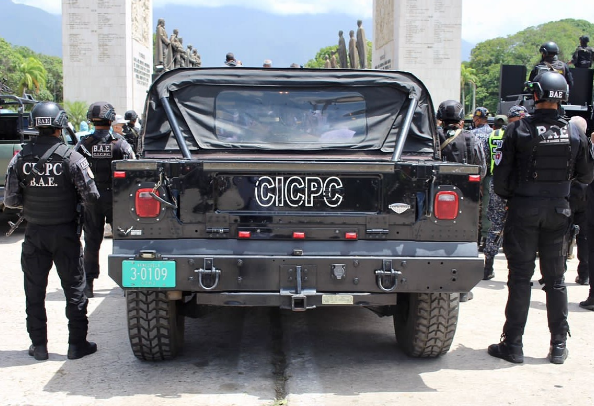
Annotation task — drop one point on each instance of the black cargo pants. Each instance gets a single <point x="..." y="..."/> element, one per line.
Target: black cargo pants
<point x="579" y="216"/>
<point x="96" y="215"/>
<point x="60" y="245"/>
<point x="536" y="225"/>
<point x="590" y="216"/>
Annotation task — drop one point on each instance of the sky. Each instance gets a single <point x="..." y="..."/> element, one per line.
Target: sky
<point x="482" y="20"/>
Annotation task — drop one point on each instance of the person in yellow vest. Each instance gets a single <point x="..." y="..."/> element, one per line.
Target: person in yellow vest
<point x="496" y="207"/>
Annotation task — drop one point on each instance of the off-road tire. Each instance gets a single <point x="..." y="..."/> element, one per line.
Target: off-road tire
<point x="425" y="323"/>
<point x="155" y="327"/>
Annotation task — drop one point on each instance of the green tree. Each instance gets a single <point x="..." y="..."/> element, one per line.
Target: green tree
<point x="77" y="112"/>
<point x="468" y="77"/>
<point x="320" y="59"/>
<point x="521" y="49"/>
<point x="32" y="74"/>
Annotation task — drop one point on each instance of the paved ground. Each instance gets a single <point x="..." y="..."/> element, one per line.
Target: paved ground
<point x="338" y="356"/>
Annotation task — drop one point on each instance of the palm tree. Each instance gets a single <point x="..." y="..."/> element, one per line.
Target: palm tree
<point x="32" y="75"/>
<point x="77" y="112"/>
<point x="468" y="75"/>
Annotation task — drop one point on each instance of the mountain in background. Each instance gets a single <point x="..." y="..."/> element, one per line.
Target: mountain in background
<point x="31" y="27"/>
<point x="250" y="34"/>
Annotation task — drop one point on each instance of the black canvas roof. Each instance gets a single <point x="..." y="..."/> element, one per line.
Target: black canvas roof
<point x="194" y="97"/>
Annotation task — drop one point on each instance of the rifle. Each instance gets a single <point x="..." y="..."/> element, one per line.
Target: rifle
<point x="15" y="225"/>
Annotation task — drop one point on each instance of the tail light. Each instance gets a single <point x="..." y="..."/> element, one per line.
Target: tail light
<point x="146" y="205"/>
<point x="446" y="205"/>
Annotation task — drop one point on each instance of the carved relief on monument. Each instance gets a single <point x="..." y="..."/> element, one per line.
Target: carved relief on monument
<point x="384" y="23"/>
<point x="140" y="18"/>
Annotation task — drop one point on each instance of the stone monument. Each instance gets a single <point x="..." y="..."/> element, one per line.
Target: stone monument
<point x="107" y="48"/>
<point x="422" y="37"/>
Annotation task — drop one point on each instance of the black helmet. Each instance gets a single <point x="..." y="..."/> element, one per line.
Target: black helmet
<point x="48" y="115"/>
<point x="550" y="86"/>
<point x="130" y="115"/>
<point x="549" y="48"/>
<point x="585" y="39"/>
<point x="101" y="112"/>
<point x="450" y="110"/>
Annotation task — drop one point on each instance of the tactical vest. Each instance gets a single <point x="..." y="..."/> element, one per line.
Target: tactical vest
<point x="548" y="159"/>
<point x="460" y="149"/>
<point x="50" y="196"/>
<point x="99" y="153"/>
<point x="555" y="66"/>
<point x="584" y="57"/>
<point x="495" y="141"/>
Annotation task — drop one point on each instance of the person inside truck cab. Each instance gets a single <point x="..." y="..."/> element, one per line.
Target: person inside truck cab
<point x="100" y="148"/>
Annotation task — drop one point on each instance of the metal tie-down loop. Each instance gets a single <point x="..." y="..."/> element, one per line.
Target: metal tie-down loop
<point x="210" y="272"/>
<point x="388" y="276"/>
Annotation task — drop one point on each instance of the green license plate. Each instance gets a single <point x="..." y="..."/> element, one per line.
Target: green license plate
<point x="148" y="274"/>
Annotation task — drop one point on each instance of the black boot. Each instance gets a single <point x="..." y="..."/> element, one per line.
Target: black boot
<point x="39" y="352"/>
<point x="558" y="351"/>
<point x="76" y="351"/>
<point x="488" y="271"/>
<point x="588" y="304"/>
<point x="509" y="349"/>
<point x="88" y="290"/>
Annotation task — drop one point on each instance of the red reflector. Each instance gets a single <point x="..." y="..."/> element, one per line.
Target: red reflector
<point x="350" y="236"/>
<point x="474" y="178"/>
<point x="146" y="205"/>
<point x="298" y="234"/>
<point x="446" y="205"/>
<point x="16" y="152"/>
<point x="245" y="234"/>
<point x="119" y="174"/>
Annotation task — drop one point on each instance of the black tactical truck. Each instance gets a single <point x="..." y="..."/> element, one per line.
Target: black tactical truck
<point x="297" y="189"/>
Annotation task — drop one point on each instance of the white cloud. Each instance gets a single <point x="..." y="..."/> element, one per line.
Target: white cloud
<point x="481" y="20"/>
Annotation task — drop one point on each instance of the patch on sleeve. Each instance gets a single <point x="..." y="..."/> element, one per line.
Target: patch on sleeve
<point x="497" y="157"/>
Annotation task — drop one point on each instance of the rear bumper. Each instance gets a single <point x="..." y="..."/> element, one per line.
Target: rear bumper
<point x="275" y="273"/>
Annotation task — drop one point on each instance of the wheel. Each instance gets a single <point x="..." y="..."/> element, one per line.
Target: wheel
<point x="425" y="323"/>
<point x="155" y="327"/>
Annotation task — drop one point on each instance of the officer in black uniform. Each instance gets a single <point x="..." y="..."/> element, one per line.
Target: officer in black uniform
<point x="48" y="180"/>
<point x="540" y="156"/>
<point x="130" y="133"/>
<point x="100" y="148"/>
<point x="549" y="61"/>
<point x="458" y="145"/>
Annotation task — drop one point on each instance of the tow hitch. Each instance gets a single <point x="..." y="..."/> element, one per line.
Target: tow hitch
<point x="387" y="278"/>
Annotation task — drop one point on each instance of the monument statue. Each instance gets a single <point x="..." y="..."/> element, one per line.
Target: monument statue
<point x="196" y="58"/>
<point x="189" y="60"/>
<point x="342" y="52"/>
<point x="333" y="61"/>
<point x="175" y="50"/>
<point x="327" y="63"/>
<point x="162" y="54"/>
<point x="361" y="45"/>
<point x="183" y="57"/>
<point x="353" y="56"/>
